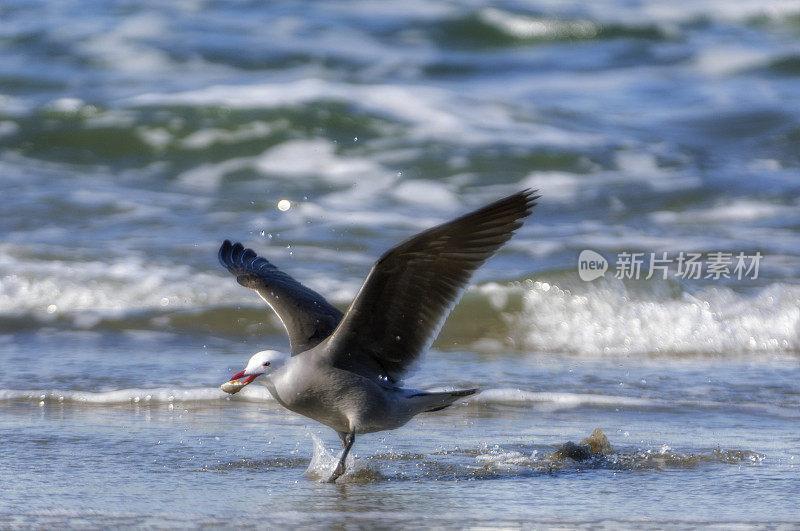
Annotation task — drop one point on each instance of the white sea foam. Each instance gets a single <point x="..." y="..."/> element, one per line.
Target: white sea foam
<point x="670" y="11"/>
<point x="525" y="27"/>
<point x="559" y="400"/>
<point x="427" y="112"/>
<point x="638" y="167"/>
<point x="592" y="319"/>
<point x="204" y="138"/>
<point x="67" y="105"/>
<point x="160" y="395"/>
<point x="323" y="460"/>
<point x="555" y="185"/>
<point x="12" y="105"/>
<point x="317" y="158"/>
<point x="123" y="45"/>
<point x="724" y="60"/>
<point x="210" y="176"/>
<point x="555" y="401"/>
<point x="8" y="128"/>
<point x="310" y="159"/>
<point x="605" y="318"/>
<point x="102" y="288"/>
<point x="422" y="192"/>
<point x="723" y="212"/>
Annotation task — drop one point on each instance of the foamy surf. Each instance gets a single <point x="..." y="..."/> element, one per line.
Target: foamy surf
<point x="609" y="317"/>
<point x="559" y="315"/>
<point x="552" y="401"/>
<point x="159" y="396"/>
<point x="514" y="397"/>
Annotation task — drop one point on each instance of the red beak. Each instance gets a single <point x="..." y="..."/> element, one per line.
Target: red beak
<point x="246" y="380"/>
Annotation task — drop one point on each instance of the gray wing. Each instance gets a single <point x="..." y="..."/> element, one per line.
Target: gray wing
<point x="306" y="315"/>
<point x="411" y="289"/>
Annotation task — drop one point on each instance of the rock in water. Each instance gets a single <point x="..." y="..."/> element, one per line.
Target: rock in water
<point x="597" y="442"/>
<point x="576" y="452"/>
<point x="595" y="445"/>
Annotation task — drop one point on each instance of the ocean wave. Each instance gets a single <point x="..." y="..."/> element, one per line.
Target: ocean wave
<point x="559" y="401"/>
<point x="425" y="112"/>
<point x="608" y="317"/>
<point x="730" y="211"/>
<point x="558" y="315"/>
<point x="495" y="27"/>
<point x="155" y="396"/>
<point x="95" y="289"/>
<point x="551" y="401"/>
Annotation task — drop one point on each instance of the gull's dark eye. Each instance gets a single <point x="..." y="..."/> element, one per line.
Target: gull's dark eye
<point x="266" y="364"/>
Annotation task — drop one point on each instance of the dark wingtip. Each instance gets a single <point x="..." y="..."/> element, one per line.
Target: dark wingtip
<point x="237" y="258"/>
<point x="530" y="196"/>
<point x="224" y="255"/>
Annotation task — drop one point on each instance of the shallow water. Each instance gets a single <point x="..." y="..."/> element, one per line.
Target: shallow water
<point x="133" y="140"/>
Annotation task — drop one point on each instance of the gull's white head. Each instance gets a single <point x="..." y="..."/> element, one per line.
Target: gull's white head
<point x="264" y="362"/>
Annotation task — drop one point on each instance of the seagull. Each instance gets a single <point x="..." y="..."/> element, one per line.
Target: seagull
<point x="346" y="370"/>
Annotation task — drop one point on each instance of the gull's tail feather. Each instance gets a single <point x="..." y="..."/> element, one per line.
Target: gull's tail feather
<point x="429" y="402"/>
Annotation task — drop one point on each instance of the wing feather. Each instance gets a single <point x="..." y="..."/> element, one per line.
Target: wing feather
<point x="306" y="315"/>
<point x="412" y="288"/>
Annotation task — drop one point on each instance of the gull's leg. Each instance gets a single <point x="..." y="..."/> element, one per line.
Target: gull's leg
<point x="347" y="442"/>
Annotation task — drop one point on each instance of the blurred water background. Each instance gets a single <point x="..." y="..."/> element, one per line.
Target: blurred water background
<point x="136" y="136"/>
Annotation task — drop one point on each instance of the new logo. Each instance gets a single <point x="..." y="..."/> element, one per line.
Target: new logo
<point x="591" y="265"/>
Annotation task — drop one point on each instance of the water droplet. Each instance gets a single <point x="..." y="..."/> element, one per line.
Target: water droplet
<point x="355" y="139"/>
<point x="52" y="308"/>
<point x="284" y="205"/>
<point x="164" y="301"/>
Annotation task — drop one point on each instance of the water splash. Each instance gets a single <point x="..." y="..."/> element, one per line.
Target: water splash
<point x="323" y="462"/>
<point x="596" y="452"/>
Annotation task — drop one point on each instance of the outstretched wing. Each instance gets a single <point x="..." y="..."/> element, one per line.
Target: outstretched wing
<point x="411" y="289"/>
<point x="306" y="315"/>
